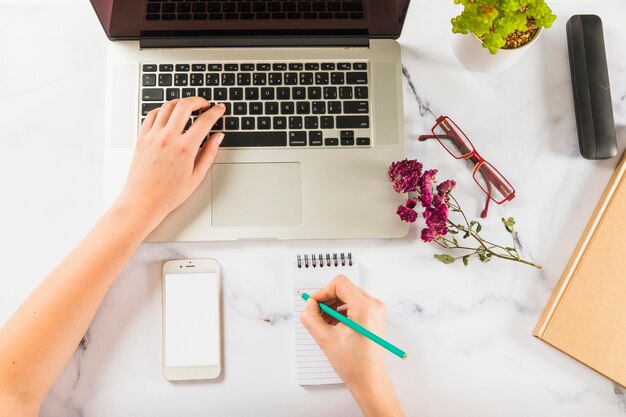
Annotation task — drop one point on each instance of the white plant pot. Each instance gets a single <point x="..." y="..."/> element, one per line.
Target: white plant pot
<point x="470" y="51"/>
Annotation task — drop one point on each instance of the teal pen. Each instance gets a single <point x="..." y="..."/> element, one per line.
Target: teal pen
<point x="358" y="328"/>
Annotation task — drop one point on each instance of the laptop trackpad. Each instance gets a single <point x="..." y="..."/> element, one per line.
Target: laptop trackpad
<point x="256" y="194"/>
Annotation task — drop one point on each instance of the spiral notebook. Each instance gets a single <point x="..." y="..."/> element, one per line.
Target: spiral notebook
<point x="311" y="273"/>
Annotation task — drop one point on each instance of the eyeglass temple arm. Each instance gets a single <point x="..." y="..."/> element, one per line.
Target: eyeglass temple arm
<point x="422" y="138"/>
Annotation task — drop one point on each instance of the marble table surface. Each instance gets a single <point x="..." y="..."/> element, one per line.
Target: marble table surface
<point x="467" y="330"/>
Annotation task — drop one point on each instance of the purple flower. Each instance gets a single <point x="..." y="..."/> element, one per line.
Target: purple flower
<point x="428" y="178"/>
<point x="407" y="214"/>
<point x="428" y="235"/>
<point x="445" y="187"/>
<point x="426" y="196"/>
<point x="411" y="203"/>
<point x="405" y="175"/>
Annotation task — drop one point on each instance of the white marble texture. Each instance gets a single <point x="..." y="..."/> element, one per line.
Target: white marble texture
<point x="468" y="331"/>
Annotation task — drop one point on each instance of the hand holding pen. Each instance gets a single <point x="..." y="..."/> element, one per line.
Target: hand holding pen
<point x="356" y="359"/>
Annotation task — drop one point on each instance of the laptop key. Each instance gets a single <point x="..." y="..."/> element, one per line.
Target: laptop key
<point x="235" y="93"/>
<point x="254" y="139"/>
<point x="166" y="67"/>
<point x="243" y="78"/>
<point x="189" y="92"/>
<point x="306" y="78"/>
<point x="299" y="93"/>
<point x="287" y="107"/>
<point x="215" y="67"/>
<point x="328" y="66"/>
<point x="345" y="93"/>
<point x="247" y="67"/>
<point x="172" y="93"/>
<point x="181" y="79"/>
<point x="297" y="138"/>
<point x="354" y="122"/>
<point x="334" y="107"/>
<point x="295" y="67"/>
<point x="252" y="93"/>
<point x="264" y="123"/>
<point x="197" y="79"/>
<point x="231" y="67"/>
<point x="165" y="80"/>
<point x="152" y="94"/>
<point x="291" y="78"/>
<point x="318" y="107"/>
<point x="362" y="141"/>
<point x="280" y="123"/>
<point x="228" y="78"/>
<point x="315" y="138"/>
<point x="303" y="107"/>
<point x="256" y="107"/>
<point x="295" y="122"/>
<point x="259" y="78"/>
<point x="311" y="122"/>
<point x="311" y="66"/>
<point x="149" y="67"/>
<point x="275" y="78"/>
<point x="247" y="123"/>
<point x="267" y="93"/>
<point x="314" y="93"/>
<point x="327" y="122"/>
<point x="355" y="107"/>
<point x="331" y="141"/>
<point x="279" y="67"/>
<point x="321" y="78"/>
<point x="330" y="93"/>
<point x="356" y="77"/>
<point x="283" y="93"/>
<point x="240" y="108"/>
<point x="147" y="107"/>
<point x="231" y="123"/>
<point x="337" y="78"/>
<point x="212" y="79"/>
<point x="344" y="66"/>
<point x="347" y="141"/>
<point x="271" y="107"/>
<point x="182" y="67"/>
<point x="220" y="94"/>
<point x="360" y="66"/>
<point x="205" y="93"/>
<point x="198" y="67"/>
<point x="360" y="92"/>
<point x="148" y="80"/>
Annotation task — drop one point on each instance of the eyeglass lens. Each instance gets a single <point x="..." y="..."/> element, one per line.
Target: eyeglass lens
<point x="453" y="139"/>
<point x="492" y="182"/>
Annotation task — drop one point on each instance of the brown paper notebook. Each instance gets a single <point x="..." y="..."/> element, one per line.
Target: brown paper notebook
<point x="586" y="314"/>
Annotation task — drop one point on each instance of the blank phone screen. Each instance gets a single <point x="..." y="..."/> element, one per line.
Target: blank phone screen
<point x="192" y="328"/>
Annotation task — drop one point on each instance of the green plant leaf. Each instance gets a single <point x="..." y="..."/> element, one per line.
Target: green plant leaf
<point x="452" y="231"/>
<point x="466" y="260"/>
<point x="456" y="242"/>
<point x="446" y="259"/>
<point x="508" y="224"/>
<point x="478" y="227"/>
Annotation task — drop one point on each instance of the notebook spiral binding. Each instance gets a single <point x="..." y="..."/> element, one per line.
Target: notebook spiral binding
<point x="318" y="261"/>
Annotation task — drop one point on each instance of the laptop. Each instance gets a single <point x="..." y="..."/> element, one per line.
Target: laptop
<point x="313" y="91"/>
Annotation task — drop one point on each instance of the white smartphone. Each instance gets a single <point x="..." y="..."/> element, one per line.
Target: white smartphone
<point x="192" y="330"/>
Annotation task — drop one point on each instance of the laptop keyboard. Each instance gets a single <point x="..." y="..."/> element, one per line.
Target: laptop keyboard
<point x="271" y="104"/>
<point x="253" y="10"/>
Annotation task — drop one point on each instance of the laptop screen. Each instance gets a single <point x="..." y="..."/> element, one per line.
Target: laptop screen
<point x="132" y="19"/>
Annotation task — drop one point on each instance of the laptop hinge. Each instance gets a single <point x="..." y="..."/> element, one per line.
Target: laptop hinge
<point x="252" y="41"/>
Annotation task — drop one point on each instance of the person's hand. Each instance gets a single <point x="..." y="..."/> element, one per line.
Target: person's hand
<point x="168" y="164"/>
<point x="356" y="359"/>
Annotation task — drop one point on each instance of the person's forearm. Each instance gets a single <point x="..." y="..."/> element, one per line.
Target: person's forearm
<point x="41" y="336"/>
<point x="377" y="400"/>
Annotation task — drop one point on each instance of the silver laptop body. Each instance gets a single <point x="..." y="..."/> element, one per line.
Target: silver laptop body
<point x="290" y="183"/>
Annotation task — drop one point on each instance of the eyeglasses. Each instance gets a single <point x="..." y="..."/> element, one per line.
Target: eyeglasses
<point x="488" y="178"/>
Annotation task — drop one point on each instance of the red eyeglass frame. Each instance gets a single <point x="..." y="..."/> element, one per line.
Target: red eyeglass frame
<point x="497" y="179"/>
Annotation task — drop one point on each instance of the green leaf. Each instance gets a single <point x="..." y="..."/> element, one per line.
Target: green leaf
<point x="478" y="227"/>
<point x="446" y="259"/>
<point x="466" y="235"/>
<point x="454" y="232"/>
<point x="472" y="224"/>
<point x="508" y="224"/>
<point x="466" y="260"/>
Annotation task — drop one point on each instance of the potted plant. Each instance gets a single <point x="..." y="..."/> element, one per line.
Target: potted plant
<point x="496" y="33"/>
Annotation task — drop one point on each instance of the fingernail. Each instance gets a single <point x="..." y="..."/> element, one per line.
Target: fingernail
<point x="220" y="138"/>
<point x="221" y="105"/>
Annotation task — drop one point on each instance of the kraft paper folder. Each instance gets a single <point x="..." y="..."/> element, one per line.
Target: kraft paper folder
<point x="586" y="315"/>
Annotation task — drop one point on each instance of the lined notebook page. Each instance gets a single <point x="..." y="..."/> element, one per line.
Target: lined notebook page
<point x="311" y="365"/>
